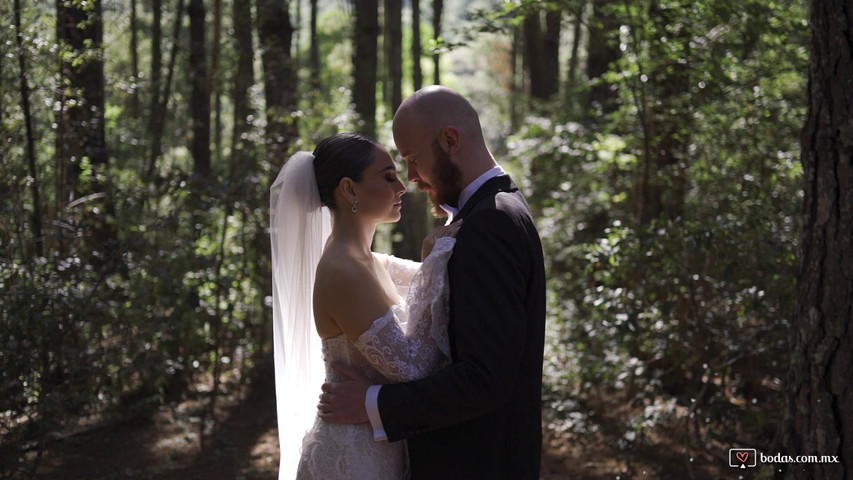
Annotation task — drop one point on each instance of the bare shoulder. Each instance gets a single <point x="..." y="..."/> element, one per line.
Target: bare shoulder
<point x="339" y="274"/>
<point x="347" y="293"/>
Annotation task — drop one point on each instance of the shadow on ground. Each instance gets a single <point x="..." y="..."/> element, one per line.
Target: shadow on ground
<point x="179" y="442"/>
<point x="239" y="442"/>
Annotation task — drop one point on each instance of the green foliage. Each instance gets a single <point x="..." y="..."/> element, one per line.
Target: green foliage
<point x="678" y="321"/>
<point x="83" y="340"/>
<point x="669" y="219"/>
<point x="109" y="331"/>
<point x="327" y="110"/>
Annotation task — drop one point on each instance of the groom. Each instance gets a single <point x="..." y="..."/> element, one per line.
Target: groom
<point x="479" y="417"/>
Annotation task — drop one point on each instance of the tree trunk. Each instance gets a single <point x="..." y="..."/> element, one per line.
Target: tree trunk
<point x="81" y="139"/>
<point x="297" y="26"/>
<point x="409" y="232"/>
<point x="542" y="47"/>
<point x="155" y="119"/>
<point x="602" y="51"/>
<point x="417" y="74"/>
<point x="365" y="63"/>
<point x="819" y="420"/>
<point x="574" y="57"/>
<point x="81" y="93"/>
<point x="551" y="53"/>
<point x="413" y="226"/>
<point x="242" y="160"/>
<point x="394" y="52"/>
<point x="214" y="80"/>
<point x="662" y="184"/>
<point x="516" y="82"/>
<point x="134" y="60"/>
<point x="314" y="61"/>
<point x="437" y="7"/>
<point x="200" y="96"/>
<point x="533" y="56"/>
<point x="275" y="35"/>
<point x="38" y="240"/>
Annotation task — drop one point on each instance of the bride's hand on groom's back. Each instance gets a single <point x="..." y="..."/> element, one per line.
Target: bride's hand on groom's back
<point x="343" y="402"/>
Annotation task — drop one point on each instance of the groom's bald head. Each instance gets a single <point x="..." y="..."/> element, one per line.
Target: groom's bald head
<point x="437" y="107"/>
<point x="442" y="114"/>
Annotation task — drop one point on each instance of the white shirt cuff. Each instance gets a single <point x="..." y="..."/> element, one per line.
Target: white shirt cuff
<point x="371" y="404"/>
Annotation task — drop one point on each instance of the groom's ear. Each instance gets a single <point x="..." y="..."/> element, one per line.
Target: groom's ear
<point x="450" y="140"/>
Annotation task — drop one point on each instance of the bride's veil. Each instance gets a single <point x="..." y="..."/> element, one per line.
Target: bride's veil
<point x="299" y="227"/>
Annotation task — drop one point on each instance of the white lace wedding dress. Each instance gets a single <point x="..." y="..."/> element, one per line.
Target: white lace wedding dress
<point x="408" y="342"/>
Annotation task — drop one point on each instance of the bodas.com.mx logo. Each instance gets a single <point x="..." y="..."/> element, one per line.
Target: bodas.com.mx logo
<point x="742" y="457"/>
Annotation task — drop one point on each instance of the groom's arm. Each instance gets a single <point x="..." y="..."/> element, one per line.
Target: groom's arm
<point x="344" y="402"/>
<point x="488" y="275"/>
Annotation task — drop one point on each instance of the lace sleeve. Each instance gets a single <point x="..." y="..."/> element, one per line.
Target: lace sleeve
<point x="402" y="271"/>
<point x="396" y="356"/>
<point x="409" y="344"/>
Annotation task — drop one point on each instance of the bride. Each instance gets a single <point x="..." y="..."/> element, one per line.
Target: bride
<point x="382" y="315"/>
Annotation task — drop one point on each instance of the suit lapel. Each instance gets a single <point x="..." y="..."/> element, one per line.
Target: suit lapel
<point x="501" y="183"/>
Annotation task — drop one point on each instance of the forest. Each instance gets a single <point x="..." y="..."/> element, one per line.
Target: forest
<point x="689" y="165"/>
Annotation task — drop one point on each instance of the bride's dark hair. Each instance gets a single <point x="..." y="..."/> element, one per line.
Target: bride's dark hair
<point x="339" y="156"/>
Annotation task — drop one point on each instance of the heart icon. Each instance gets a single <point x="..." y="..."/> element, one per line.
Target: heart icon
<point x="742" y="456"/>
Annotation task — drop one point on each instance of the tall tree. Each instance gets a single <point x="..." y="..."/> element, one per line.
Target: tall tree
<point x="159" y="103"/>
<point x="155" y="116"/>
<point x="574" y="55"/>
<point x="244" y="77"/>
<point x="661" y="183"/>
<point x="80" y="122"/>
<point x="81" y="149"/>
<point x="275" y="35"/>
<point x="214" y="81"/>
<point x="515" y="82"/>
<point x="394" y="52"/>
<point x="134" y="59"/>
<point x="819" y="420"/>
<point x="24" y="85"/>
<point x="542" y="47"/>
<point x="200" y="96"/>
<point x="365" y="63"/>
<point x="437" y="7"/>
<point x="602" y="52"/>
<point x="244" y="167"/>
<point x="417" y="74"/>
<point x="314" y="60"/>
<point x="412" y="227"/>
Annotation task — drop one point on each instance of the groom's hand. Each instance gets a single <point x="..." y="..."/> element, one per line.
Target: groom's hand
<point x="343" y="402"/>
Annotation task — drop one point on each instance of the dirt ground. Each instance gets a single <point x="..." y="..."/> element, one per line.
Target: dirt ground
<point x="179" y="443"/>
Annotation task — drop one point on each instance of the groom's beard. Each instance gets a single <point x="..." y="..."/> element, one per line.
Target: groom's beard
<point x="446" y="185"/>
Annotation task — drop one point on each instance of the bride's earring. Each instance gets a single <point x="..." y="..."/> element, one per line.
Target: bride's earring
<point x="355" y="205"/>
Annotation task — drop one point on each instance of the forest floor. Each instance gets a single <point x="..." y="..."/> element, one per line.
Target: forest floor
<point x="242" y="444"/>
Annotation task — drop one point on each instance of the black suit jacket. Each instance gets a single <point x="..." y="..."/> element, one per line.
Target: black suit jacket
<point x="480" y="417"/>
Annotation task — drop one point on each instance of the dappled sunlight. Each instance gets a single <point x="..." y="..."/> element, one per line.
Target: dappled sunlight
<point x="658" y="145"/>
<point x="264" y="455"/>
